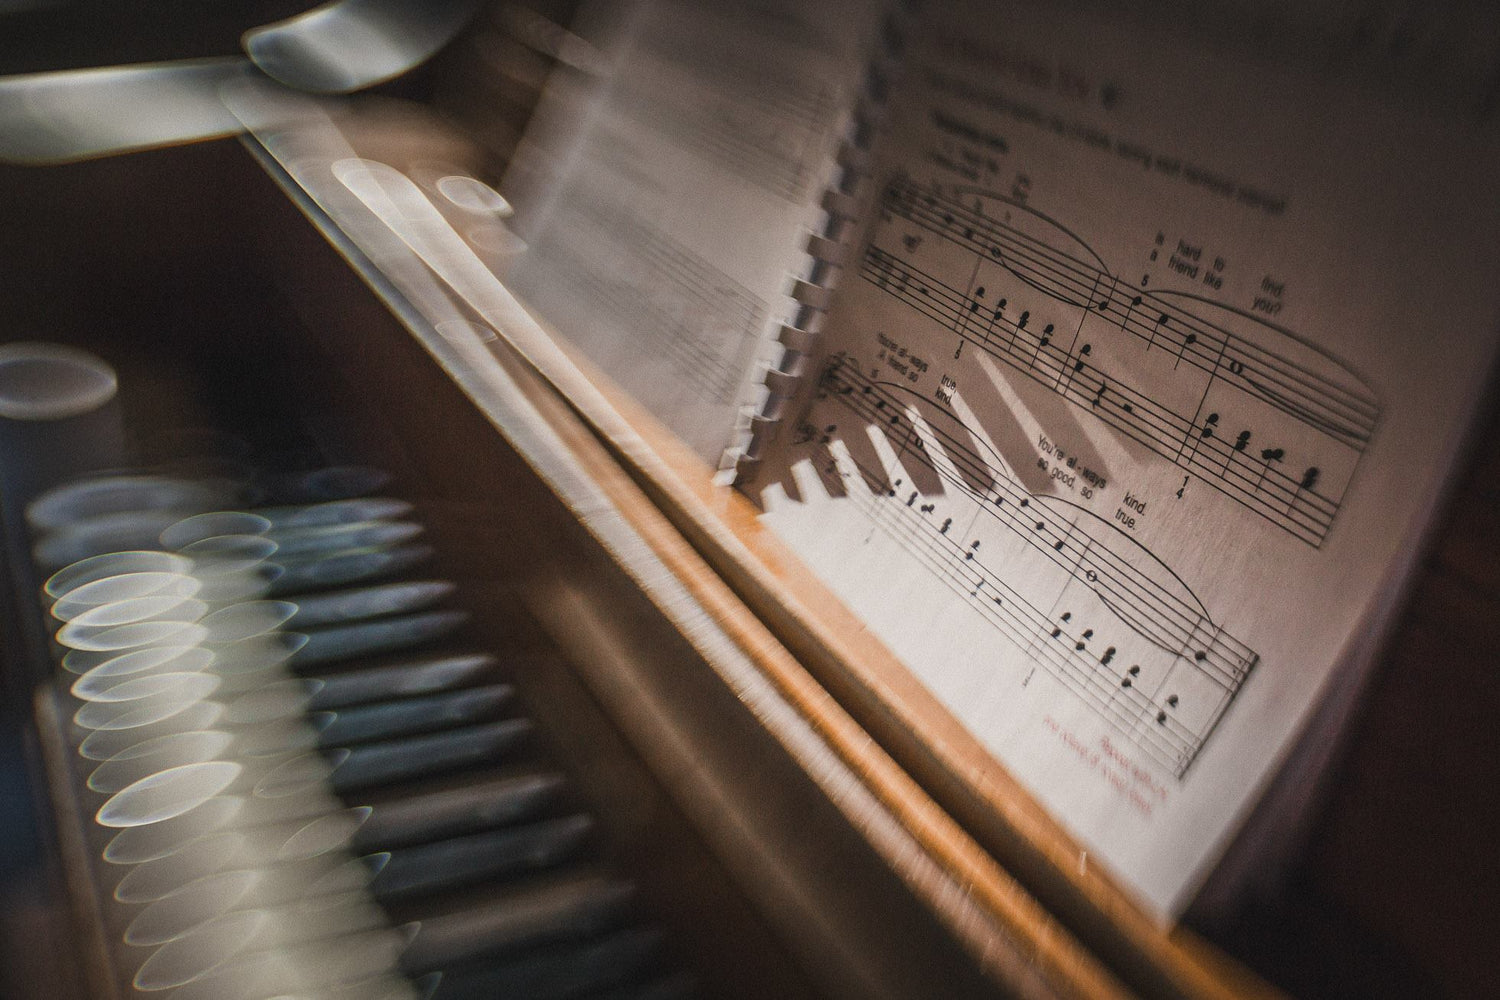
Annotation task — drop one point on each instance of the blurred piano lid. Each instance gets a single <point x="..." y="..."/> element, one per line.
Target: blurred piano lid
<point x="348" y="45"/>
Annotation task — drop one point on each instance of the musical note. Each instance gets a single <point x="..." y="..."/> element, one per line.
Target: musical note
<point x="1129" y="309"/>
<point x="1240" y="443"/>
<point x="1205" y="433"/>
<point x="1078" y="365"/>
<point x="1042" y="344"/>
<point x="1268" y="456"/>
<point x="1188" y="340"/>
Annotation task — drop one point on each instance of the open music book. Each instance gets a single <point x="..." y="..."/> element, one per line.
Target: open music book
<point x="1111" y="382"/>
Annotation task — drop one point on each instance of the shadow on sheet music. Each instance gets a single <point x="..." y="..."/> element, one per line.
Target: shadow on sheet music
<point x="892" y="441"/>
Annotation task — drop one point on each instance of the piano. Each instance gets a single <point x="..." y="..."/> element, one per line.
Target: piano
<point x="578" y="754"/>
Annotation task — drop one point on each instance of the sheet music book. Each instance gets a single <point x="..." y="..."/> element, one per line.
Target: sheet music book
<point x="667" y="200"/>
<point x="1109" y="367"/>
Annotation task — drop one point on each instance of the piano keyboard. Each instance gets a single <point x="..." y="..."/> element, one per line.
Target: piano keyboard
<point x="301" y="780"/>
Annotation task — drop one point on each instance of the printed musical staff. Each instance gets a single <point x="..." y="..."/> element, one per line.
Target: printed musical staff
<point x="1075" y="654"/>
<point x="1153" y="605"/>
<point x="1332" y="400"/>
<point x="1166" y="614"/>
<point x="705" y="324"/>
<point x="1267" y="490"/>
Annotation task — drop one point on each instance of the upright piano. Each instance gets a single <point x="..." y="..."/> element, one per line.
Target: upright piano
<point x="603" y="742"/>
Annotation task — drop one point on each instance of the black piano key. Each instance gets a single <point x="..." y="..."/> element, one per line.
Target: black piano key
<point x="336" y="512"/>
<point x="461" y="861"/>
<point x="323" y="539"/>
<point x="344" y="606"/>
<point x="561" y="910"/>
<point x="557" y="972"/>
<point x="420" y="756"/>
<point x="399" y="680"/>
<point x="384" y="635"/>
<point x="334" y="482"/>
<point x="409" y="716"/>
<point x="339" y="569"/>
<point x="477" y="805"/>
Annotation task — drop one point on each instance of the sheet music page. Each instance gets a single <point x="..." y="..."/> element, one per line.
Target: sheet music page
<point x="1139" y="389"/>
<point x="666" y="201"/>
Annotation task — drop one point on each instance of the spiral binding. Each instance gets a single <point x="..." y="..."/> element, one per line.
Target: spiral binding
<point x="829" y="251"/>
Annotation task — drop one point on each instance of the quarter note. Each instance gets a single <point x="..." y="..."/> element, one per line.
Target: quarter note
<point x="1240" y="442"/>
<point x="1020" y="325"/>
<point x="1078" y="364"/>
<point x="1204" y="433"/>
<point x="1043" y="342"/>
<point x="1187" y="341"/>
<point x="1125" y="318"/>
<point x="1268" y="456"/>
<point x="1308" y="481"/>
